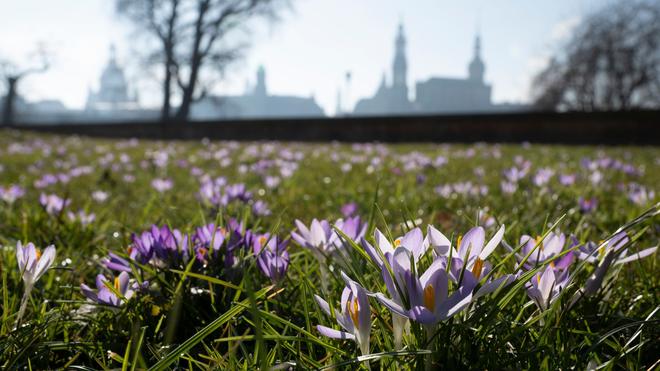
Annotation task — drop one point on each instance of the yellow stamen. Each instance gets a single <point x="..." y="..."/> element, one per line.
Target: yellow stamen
<point x="538" y="278"/>
<point x="539" y="239"/>
<point x="223" y="231"/>
<point x="601" y="249"/>
<point x="552" y="264"/>
<point x="397" y="242"/>
<point x="477" y="268"/>
<point x="353" y="311"/>
<point x="117" y="283"/>
<point x="429" y="298"/>
<point x="460" y="239"/>
<point x="38" y="253"/>
<point x="262" y="240"/>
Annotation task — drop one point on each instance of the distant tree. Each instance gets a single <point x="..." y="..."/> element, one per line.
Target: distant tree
<point x="612" y="62"/>
<point x="192" y="38"/>
<point x="12" y="75"/>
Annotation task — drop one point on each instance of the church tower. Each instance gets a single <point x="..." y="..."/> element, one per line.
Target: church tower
<point x="260" y="88"/>
<point x="400" y="65"/>
<point x="476" y="68"/>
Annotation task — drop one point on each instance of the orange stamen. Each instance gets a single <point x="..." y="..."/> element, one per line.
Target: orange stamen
<point x="429" y="297"/>
<point x="353" y="311"/>
<point x="477" y="268"/>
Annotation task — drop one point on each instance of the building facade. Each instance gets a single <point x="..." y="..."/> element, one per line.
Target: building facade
<point x="255" y="103"/>
<point x="391" y="98"/>
<point x="435" y="95"/>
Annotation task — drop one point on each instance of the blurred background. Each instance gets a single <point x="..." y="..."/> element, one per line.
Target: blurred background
<point x="87" y="61"/>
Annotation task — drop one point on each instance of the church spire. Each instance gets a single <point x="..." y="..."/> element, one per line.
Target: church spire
<point x="260" y="87"/>
<point x="113" y="54"/>
<point x="400" y="65"/>
<point x="476" y="68"/>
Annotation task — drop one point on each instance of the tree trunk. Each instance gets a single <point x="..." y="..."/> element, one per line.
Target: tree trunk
<point x="167" y="92"/>
<point x="8" y="111"/>
<point x="195" y="64"/>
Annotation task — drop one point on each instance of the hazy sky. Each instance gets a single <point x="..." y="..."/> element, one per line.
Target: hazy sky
<point x="311" y="49"/>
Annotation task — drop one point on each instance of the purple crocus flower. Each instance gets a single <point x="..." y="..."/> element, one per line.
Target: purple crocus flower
<point x="606" y="254"/>
<point x="425" y="298"/>
<point x="412" y="241"/>
<point x="207" y="241"/>
<point x="354" y="315"/>
<point x="103" y="294"/>
<point x="550" y="246"/>
<point x="639" y="194"/>
<point x="615" y="246"/>
<point x="82" y="217"/>
<point x="237" y="192"/>
<point x="508" y="187"/>
<point x="11" y="193"/>
<point x="260" y="208"/>
<point x="32" y="264"/>
<point x="471" y="257"/>
<point x="349" y="209"/>
<point x="100" y="196"/>
<point x="162" y="185"/>
<point x="546" y="286"/>
<point x="543" y="176"/>
<point x="116" y="263"/>
<point x="567" y="179"/>
<point x="352" y="227"/>
<point x="272" y="256"/>
<point x="587" y="205"/>
<point x="318" y="238"/>
<point x="53" y="204"/>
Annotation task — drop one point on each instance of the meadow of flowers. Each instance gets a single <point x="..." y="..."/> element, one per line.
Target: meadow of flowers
<point x="224" y="255"/>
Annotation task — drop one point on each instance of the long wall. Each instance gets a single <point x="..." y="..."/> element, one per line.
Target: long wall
<point x="636" y="127"/>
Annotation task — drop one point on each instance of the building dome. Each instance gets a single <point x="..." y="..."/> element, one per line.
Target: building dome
<point x="113" y="89"/>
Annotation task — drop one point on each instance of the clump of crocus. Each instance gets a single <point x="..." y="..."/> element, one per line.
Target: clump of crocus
<point x="382" y="254"/>
<point x="471" y="258"/>
<point x="159" y="246"/>
<point x="606" y="254"/>
<point x="587" y="205"/>
<point x="32" y="264"/>
<point x="162" y="185"/>
<point x="272" y="256"/>
<point x="82" y="217"/>
<point x="545" y="286"/>
<point x="53" y="204"/>
<point x="11" y="194"/>
<point x="354" y="315"/>
<point x="352" y="227"/>
<point x="349" y="209"/>
<point x="425" y="298"/>
<point x="319" y="238"/>
<point x="114" y="293"/>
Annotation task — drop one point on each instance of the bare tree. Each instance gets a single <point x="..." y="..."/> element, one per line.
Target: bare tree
<point x="193" y="38"/>
<point x="612" y="62"/>
<point x="13" y="74"/>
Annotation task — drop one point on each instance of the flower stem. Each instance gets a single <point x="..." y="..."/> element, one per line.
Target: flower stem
<point x="24" y="302"/>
